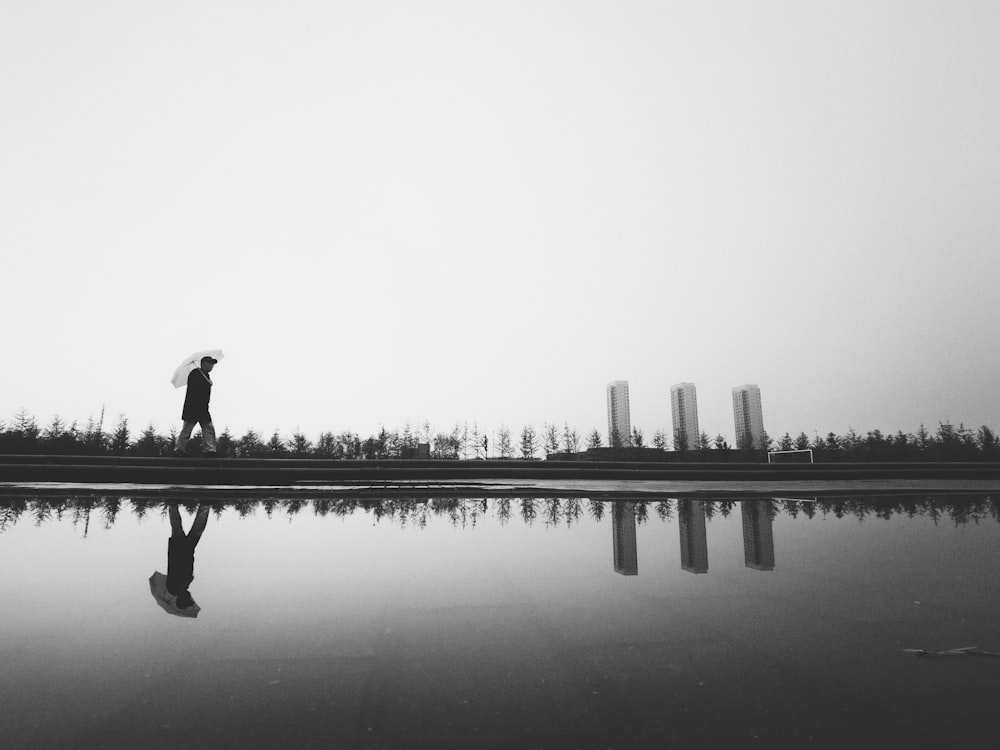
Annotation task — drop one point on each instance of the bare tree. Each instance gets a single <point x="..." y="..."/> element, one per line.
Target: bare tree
<point x="551" y="438"/>
<point x="528" y="442"/>
<point x="477" y="441"/>
<point x="571" y="439"/>
<point x="505" y="448"/>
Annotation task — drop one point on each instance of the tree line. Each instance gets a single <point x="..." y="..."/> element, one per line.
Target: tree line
<point x="23" y="435"/>
<point x="466" y="512"/>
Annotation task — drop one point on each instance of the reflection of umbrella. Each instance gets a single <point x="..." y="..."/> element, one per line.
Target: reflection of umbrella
<point x="180" y="377"/>
<point x="168" y="601"/>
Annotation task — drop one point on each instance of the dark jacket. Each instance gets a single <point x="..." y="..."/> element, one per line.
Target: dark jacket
<point x="199" y="391"/>
<point x="180" y="564"/>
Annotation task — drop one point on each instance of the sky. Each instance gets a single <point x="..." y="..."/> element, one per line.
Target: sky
<point x="392" y="212"/>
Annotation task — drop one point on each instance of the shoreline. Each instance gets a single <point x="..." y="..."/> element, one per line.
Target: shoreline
<point x="496" y="478"/>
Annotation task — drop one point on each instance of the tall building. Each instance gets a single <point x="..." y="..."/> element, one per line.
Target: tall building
<point x="748" y="417"/>
<point x="694" y="536"/>
<point x="684" y="406"/>
<point x="619" y="421"/>
<point x="623" y="540"/>
<point x="758" y="534"/>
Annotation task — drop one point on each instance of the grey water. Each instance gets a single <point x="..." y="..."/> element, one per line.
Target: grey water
<point x="502" y="622"/>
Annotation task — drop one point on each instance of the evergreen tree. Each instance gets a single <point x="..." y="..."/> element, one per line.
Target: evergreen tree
<point x="300" y="446"/>
<point x="551" y="438"/>
<point x="94" y="438"/>
<point x="250" y="445"/>
<point x="120" y="437"/>
<point x="594" y="440"/>
<point x="637" y="438"/>
<point x="326" y="445"/>
<point x="54" y="431"/>
<point x="148" y="443"/>
<point x="901" y="446"/>
<point x="275" y="446"/>
<point x="225" y="446"/>
<point x="25" y="424"/>
<point x="615" y="438"/>
<point x="987" y="442"/>
<point x="680" y="440"/>
<point x="923" y="440"/>
<point x="766" y="443"/>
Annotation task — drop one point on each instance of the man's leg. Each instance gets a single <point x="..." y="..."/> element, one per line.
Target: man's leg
<point x="208" y="436"/>
<point x="184" y="436"/>
<point x="176" y="529"/>
<point x="200" y="520"/>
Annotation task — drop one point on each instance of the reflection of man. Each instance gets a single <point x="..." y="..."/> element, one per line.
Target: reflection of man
<point x="199" y="392"/>
<point x="180" y="554"/>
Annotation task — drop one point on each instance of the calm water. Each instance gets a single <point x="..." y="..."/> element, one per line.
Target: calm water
<point x="503" y="623"/>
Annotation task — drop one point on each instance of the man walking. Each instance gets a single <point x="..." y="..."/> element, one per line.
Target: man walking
<point x="199" y="392"/>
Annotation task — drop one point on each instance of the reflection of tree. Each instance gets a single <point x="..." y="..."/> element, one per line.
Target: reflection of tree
<point x="418" y="512"/>
<point x="528" y="510"/>
<point x="503" y="510"/>
<point x="10" y="512"/>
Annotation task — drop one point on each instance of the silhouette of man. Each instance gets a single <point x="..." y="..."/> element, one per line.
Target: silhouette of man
<point x="195" y="411"/>
<point x="180" y="554"/>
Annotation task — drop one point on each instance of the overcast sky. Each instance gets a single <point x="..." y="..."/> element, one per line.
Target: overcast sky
<point x="485" y="211"/>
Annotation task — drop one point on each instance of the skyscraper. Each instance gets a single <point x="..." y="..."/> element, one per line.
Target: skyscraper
<point x="748" y="417"/>
<point x="619" y="421"/>
<point x="684" y="406"/>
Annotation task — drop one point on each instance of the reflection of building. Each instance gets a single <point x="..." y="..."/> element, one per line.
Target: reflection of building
<point x="684" y="407"/>
<point x="619" y="421"/>
<point x="758" y="539"/>
<point x="748" y="417"/>
<point x="694" y="539"/>
<point x="623" y="528"/>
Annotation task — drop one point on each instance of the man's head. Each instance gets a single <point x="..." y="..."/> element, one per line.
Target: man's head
<point x="207" y="363"/>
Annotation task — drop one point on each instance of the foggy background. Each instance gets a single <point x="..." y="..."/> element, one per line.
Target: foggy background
<point x="453" y="211"/>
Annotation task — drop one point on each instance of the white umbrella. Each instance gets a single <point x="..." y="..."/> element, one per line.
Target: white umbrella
<point x="180" y="377"/>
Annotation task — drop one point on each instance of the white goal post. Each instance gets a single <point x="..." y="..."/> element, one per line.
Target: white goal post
<point x="804" y="456"/>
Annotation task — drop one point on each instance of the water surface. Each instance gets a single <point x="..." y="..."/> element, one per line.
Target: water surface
<point x="513" y="622"/>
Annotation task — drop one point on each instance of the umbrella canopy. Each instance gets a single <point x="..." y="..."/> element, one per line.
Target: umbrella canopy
<point x="166" y="600"/>
<point x="180" y="377"/>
